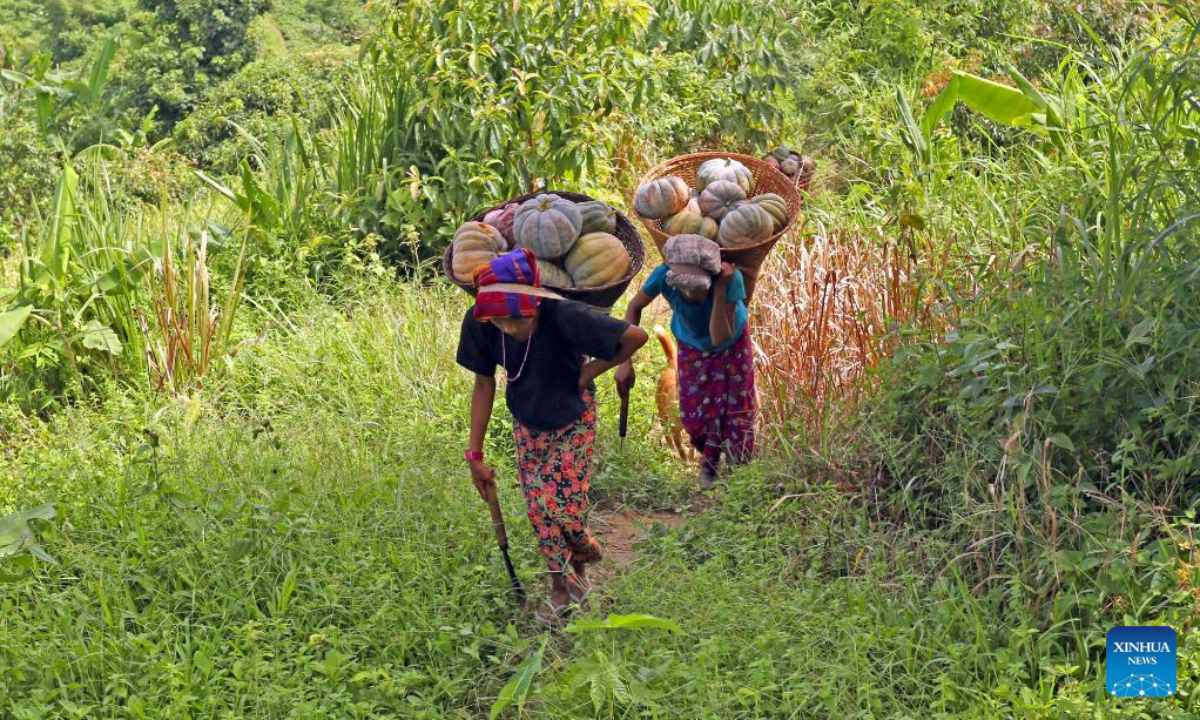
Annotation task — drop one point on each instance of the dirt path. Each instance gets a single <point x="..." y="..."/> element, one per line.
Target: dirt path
<point x="618" y="531"/>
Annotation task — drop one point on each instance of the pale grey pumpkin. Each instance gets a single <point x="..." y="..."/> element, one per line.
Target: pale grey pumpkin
<point x="720" y="197"/>
<point x="728" y="169"/>
<point x="597" y="259"/>
<point x="662" y="197"/>
<point x="475" y="244"/>
<point x="775" y="205"/>
<point x="597" y="217"/>
<point x="554" y="276"/>
<point x="547" y="225"/>
<point x="748" y="225"/>
<point x="686" y="222"/>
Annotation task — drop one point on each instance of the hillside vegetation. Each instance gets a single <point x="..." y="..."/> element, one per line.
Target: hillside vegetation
<point x="231" y="481"/>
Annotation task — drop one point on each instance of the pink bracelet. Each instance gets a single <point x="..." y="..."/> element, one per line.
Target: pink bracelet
<point x="473" y="455"/>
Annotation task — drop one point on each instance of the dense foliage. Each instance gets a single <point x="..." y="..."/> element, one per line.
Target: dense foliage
<point x="230" y="408"/>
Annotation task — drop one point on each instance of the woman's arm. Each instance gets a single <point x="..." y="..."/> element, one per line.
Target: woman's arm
<point x="720" y="324"/>
<point x="482" y="400"/>
<point x="633" y="338"/>
<point x="625" y="376"/>
<point x="633" y="313"/>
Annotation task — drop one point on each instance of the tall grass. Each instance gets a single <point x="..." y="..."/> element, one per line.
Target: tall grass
<point x="830" y="307"/>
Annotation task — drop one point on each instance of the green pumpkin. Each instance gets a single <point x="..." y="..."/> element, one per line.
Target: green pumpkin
<point x="686" y="222"/>
<point x="791" y="166"/>
<point x="748" y="225"/>
<point x="775" y="205"/>
<point x="662" y="197"/>
<point x="547" y="225"/>
<point x="597" y="217"/>
<point x="717" y="169"/>
<point x="597" y="259"/>
<point x="781" y="153"/>
<point x="475" y="244"/>
<point x="720" y="197"/>
<point x="554" y="276"/>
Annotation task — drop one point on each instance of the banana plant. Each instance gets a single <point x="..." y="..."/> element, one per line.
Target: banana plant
<point x="79" y="281"/>
<point x="1020" y="106"/>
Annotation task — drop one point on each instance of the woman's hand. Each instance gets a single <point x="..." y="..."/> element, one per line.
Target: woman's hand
<point x="482" y="475"/>
<point x="725" y="275"/>
<point x="625" y="377"/>
<point x="589" y="372"/>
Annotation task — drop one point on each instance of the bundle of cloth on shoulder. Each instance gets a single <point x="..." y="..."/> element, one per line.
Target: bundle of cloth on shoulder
<point x="552" y="350"/>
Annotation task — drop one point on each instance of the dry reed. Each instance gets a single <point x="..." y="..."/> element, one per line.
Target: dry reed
<point x="829" y="309"/>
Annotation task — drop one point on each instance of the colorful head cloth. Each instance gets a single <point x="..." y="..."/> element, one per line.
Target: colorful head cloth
<point x="693" y="260"/>
<point x="518" y="267"/>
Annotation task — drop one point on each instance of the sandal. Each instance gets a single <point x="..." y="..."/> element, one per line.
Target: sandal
<point x="578" y="591"/>
<point x="551" y="613"/>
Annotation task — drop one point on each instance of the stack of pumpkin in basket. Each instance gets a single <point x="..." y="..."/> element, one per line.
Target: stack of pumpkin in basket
<point x="797" y="168"/>
<point x="574" y="242"/>
<point x="720" y="206"/>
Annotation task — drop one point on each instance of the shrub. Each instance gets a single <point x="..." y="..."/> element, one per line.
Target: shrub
<point x="27" y="165"/>
<point x="252" y="101"/>
<point x="179" y="48"/>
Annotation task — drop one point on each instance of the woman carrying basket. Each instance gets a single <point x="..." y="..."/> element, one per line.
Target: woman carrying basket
<point x="540" y="340"/>
<point x="717" y="403"/>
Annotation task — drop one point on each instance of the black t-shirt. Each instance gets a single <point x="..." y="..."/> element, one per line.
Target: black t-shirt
<point x="546" y="395"/>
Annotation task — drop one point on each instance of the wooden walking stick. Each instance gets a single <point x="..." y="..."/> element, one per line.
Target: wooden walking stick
<point x="502" y="539"/>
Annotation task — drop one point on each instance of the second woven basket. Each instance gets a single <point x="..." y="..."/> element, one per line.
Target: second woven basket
<point x="766" y="180"/>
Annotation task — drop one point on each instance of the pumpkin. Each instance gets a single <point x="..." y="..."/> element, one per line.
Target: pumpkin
<point x="686" y="222"/>
<point x="717" y="169"/>
<point x="720" y="197"/>
<point x="781" y="153"/>
<point x="662" y="197"/>
<point x="790" y="166"/>
<point x="502" y="219"/>
<point x="548" y="225"/>
<point x="775" y="205"/>
<point x="748" y="225"/>
<point x="597" y="259"/>
<point x="771" y="162"/>
<point x="474" y="244"/>
<point x="555" y="276"/>
<point x="597" y="217"/>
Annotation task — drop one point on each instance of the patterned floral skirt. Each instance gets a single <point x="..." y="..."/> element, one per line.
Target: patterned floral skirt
<point x="717" y="404"/>
<point x="555" y="468"/>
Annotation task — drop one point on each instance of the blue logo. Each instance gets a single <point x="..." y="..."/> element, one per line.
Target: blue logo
<point x="1141" y="661"/>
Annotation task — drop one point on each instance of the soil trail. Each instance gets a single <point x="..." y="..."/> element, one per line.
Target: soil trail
<point x="618" y="531"/>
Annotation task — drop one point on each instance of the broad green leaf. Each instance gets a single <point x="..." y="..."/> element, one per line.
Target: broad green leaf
<point x="1140" y="334"/>
<point x="517" y="688"/>
<point x="1062" y="441"/>
<point x="634" y="620"/>
<point x="12" y="321"/>
<point x="17" y="536"/>
<point x="97" y="336"/>
<point x="942" y="104"/>
<point x="56" y="243"/>
<point x="218" y="186"/>
<point x="99" y="76"/>
<point x="913" y="134"/>
<point x="994" y="101"/>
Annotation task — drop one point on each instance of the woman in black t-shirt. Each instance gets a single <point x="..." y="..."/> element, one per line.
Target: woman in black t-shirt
<point x="540" y="340"/>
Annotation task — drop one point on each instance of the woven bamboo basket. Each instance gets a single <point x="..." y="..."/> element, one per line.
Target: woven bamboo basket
<point x="603" y="297"/>
<point x="766" y="180"/>
<point x="803" y="179"/>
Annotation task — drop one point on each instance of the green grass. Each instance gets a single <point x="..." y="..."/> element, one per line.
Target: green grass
<point x="301" y="541"/>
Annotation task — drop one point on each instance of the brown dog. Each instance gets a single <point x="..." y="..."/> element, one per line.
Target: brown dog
<point x="667" y="397"/>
